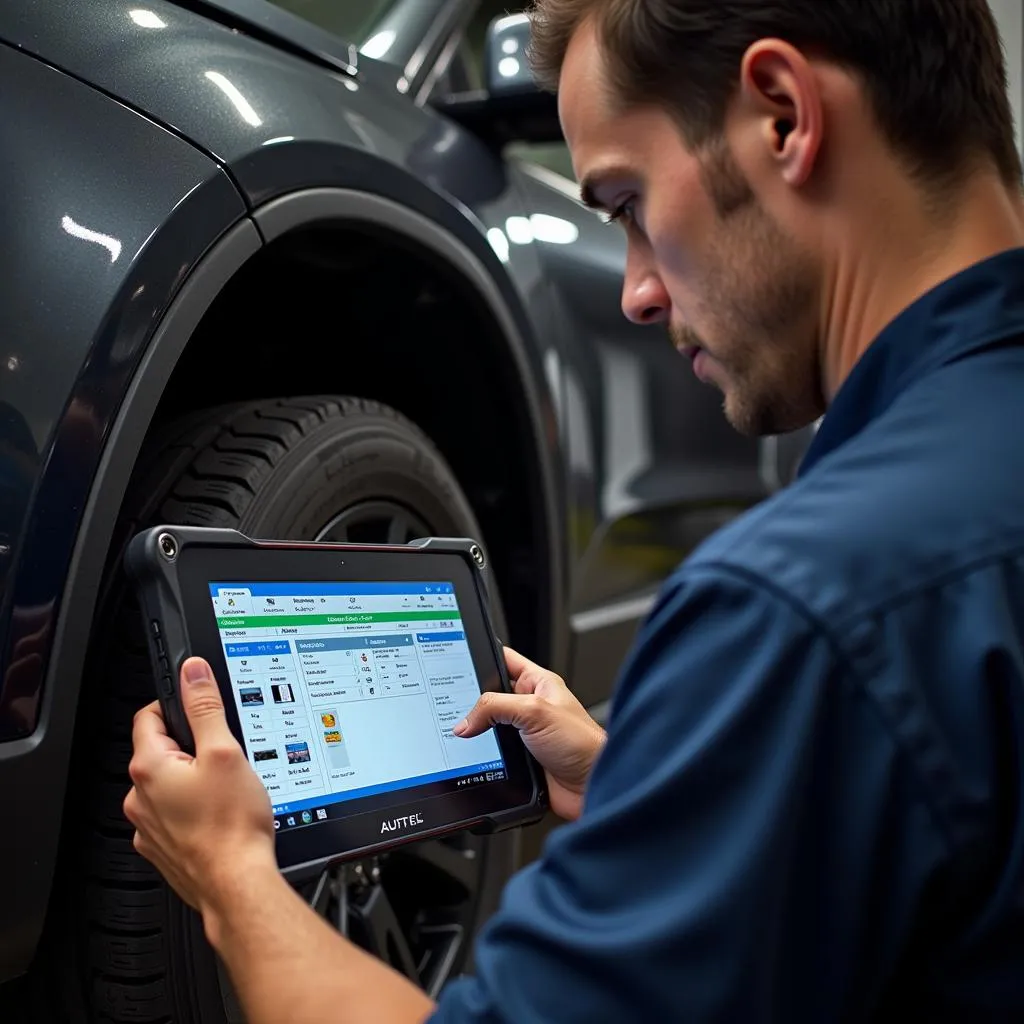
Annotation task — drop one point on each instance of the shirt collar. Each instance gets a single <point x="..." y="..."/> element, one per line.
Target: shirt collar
<point x="974" y="309"/>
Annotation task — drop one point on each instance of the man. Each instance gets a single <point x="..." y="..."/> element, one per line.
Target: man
<point x="810" y="803"/>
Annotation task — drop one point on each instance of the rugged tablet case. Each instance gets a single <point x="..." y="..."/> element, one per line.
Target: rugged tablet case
<point x="151" y="561"/>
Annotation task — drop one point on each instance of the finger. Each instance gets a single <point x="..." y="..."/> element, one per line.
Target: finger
<point x="514" y="709"/>
<point x="523" y="673"/>
<point x="130" y="806"/>
<point x="204" y="708"/>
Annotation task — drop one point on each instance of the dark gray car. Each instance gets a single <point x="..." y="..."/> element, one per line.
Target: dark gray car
<point x="315" y="273"/>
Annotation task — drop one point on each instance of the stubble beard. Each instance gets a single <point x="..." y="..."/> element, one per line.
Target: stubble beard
<point x="760" y="295"/>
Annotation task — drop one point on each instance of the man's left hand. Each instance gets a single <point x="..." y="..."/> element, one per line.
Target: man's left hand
<point x="203" y="821"/>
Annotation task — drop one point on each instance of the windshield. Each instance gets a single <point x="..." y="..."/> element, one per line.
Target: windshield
<point x="347" y="19"/>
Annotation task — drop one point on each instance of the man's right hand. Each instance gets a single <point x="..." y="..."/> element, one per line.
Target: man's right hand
<point x="554" y="725"/>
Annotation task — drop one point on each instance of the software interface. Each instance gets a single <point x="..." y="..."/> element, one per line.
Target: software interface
<point x="346" y="690"/>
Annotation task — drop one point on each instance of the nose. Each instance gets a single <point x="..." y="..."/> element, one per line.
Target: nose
<point x="645" y="299"/>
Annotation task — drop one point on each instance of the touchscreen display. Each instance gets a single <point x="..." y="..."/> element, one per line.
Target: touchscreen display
<point x="351" y="690"/>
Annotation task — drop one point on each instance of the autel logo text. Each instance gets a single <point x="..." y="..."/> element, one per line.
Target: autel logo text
<point x="395" y="824"/>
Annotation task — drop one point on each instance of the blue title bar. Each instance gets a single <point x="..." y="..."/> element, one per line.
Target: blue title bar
<point x="256" y="649"/>
<point x="333" y="589"/>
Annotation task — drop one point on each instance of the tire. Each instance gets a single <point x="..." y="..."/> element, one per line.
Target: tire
<point x="306" y="468"/>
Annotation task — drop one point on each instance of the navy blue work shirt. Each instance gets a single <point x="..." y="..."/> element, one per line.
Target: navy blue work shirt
<point x="811" y="804"/>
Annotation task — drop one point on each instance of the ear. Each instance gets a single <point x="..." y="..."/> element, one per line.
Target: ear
<point x="779" y="86"/>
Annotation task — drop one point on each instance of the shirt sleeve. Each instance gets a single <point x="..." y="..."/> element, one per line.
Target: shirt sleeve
<point x="752" y="847"/>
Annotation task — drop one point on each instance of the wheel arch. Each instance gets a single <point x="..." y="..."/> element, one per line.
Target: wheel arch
<point x="46" y="752"/>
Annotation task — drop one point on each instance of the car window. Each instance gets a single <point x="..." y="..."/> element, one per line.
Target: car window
<point x="466" y="72"/>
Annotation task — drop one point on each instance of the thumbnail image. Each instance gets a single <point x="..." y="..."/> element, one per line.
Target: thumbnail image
<point x="283" y="693"/>
<point x="251" y="697"/>
<point x="265" y="755"/>
<point x="297" y="752"/>
<point x="329" y="718"/>
<point x="332" y="737"/>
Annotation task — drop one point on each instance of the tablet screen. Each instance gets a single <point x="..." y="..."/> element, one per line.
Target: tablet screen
<point x="350" y="690"/>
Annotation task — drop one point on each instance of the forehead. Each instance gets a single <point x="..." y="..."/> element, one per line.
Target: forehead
<point x="585" y="104"/>
<point x="604" y="139"/>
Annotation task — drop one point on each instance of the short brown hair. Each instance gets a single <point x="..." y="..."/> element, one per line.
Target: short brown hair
<point x="933" y="70"/>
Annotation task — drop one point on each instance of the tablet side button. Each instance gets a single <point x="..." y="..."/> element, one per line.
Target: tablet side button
<point x="157" y="637"/>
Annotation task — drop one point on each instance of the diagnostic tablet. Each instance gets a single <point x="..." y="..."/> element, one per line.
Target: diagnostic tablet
<point x="343" y="670"/>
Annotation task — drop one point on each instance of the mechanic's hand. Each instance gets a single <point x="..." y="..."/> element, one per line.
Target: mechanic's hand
<point x="203" y="821"/>
<point x="554" y="725"/>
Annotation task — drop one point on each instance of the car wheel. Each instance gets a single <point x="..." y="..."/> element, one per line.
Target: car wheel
<point x="311" y="468"/>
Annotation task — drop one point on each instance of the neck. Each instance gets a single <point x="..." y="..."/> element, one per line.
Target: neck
<point x="899" y="251"/>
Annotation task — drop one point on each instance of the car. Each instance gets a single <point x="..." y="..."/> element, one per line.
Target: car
<point x="320" y="271"/>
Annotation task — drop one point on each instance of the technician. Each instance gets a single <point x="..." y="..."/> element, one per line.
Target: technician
<point x="810" y="803"/>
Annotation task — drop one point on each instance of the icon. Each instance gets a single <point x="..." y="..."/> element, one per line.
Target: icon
<point x="277" y="824"/>
<point x="321" y="815"/>
<point x="231" y="602"/>
<point x="351" y="600"/>
<point x="329" y="720"/>
<point x="422" y="598"/>
<point x="291" y="820"/>
<point x="371" y="689"/>
<point x="306" y="817"/>
<point x="245" y="661"/>
<point x="363" y="657"/>
<point x="270" y="600"/>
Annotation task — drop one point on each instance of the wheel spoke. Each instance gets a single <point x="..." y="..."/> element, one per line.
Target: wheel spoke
<point x="398" y="528"/>
<point x="445" y="942"/>
<point x="330" y="897"/>
<point x="381" y="931"/>
<point x="377" y="521"/>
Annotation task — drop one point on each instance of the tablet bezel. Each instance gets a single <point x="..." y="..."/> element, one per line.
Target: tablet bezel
<point x="423" y="811"/>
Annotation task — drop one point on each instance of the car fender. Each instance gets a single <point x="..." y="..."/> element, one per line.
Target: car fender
<point x="103" y="225"/>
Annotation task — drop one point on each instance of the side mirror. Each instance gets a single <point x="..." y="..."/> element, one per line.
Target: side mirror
<point x="506" y="67"/>
<point x="512" y="107"/>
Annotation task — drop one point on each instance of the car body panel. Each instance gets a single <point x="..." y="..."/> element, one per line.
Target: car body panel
<point x="99" y="245"/>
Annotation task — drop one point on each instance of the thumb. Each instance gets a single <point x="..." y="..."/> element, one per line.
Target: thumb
<point x="204" y="709"/>
<point x="519" y="710"/>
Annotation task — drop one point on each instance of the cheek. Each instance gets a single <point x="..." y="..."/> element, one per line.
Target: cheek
<point x="676" y="233"/>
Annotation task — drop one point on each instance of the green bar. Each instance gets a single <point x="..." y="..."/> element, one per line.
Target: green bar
<point x="252" y="621"/>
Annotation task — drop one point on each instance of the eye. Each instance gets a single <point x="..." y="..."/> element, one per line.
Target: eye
<point x="624" y="213"/>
